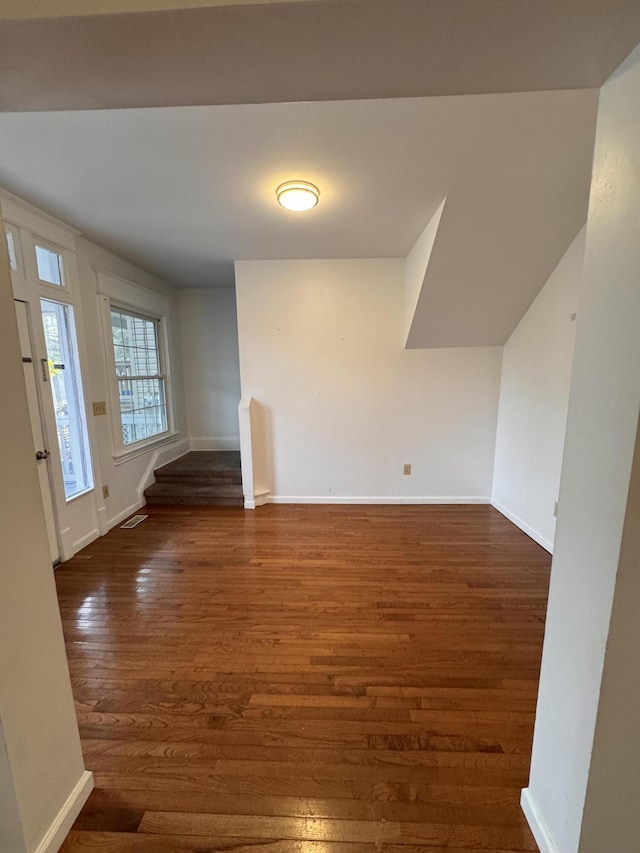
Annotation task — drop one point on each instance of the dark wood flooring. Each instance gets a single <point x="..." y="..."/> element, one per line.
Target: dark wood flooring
<point x="300" y="679"/>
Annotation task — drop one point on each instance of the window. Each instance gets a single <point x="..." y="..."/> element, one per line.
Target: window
<point x="66" y="390"/>
<point x="11" y="249"/>
<point x="140" y="375"/>
<point x="50" y="267"/>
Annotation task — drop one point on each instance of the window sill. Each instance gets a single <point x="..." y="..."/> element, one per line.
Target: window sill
<point x="79" y="495"/>
<point x="144" y="447"/>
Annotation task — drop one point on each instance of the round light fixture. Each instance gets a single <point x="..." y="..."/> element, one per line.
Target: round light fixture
<point x="298" y="195"/>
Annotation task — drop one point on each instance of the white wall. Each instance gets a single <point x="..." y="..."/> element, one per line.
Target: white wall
<point x="344" y="405"/>
<point x="124" y="479"/>
<point x="534" y="397"/>
<point x="42" y="763"/>
<point x="209" y="335"/>
<point x="611" y="819"/>
<point x="583" y="790"/>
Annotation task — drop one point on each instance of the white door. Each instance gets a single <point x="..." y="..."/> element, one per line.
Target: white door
<point x="33" y="371"/>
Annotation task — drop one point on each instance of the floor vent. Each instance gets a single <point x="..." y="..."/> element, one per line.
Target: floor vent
<point x="134" y="521"/>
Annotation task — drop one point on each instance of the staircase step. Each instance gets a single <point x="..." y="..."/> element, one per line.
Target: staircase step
<point x="231" y="478"/>
<point x="196" y="494"/>
<point x="199" y="466"/>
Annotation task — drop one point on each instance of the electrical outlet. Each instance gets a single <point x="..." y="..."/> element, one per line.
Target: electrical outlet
<point x="105" y="491"/>
<point x="406" y="470"/>
<point x="555" y="508"/>
<point x="99" y="408"/>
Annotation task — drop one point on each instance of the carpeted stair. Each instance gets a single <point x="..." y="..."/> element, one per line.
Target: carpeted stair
<point x="202" y="477"/>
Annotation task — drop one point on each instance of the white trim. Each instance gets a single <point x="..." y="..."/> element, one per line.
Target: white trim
<point x="66" y="544"/>
<point x="537" y="537"/>
<point x="79" y="495"/>
<point x="156" y="460"/>
<point x="221" y="442"/>
<point x="125" y="513"/>
<point x="335" y="499"/>
<point x="245" y="407"/>
<point x="79" y="521"/>
<point x="64" y="820"/>
<point x="103" y="520"/>
<point x="147" y="477"/>
<point x="537" y="825"/>
<point x="26" y="214"/>
<point x="153" y="444"/>
<point x="259" y="499"/>
<point x="85" y="540"/>
<point x="122" y="293"/>
<point x="131" y="295"/>
<point x="159" y="458"/>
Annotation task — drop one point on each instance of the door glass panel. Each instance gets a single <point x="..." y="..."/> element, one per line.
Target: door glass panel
<point x="49" y="266"/>
<point x="66" y="389"/>
<point x="37" y="427"/>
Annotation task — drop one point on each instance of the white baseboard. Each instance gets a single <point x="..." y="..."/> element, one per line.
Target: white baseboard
<point x="66" y="544"/>
<point x="65" y="818"/>
<point x="253" y="501"/>
<point x="85" y="540"/>
<point x="221" y="442"/>
<point x="125" y="513"/>
<point x="335" y="499"/>
<point x="536" y="823"/>
<point x="103" y="521"/>
<point x="537" y="537"/>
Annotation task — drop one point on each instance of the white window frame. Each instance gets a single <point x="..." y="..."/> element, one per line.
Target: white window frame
<point x="160" y="375"/>
<point x="123" y="295"/>
<point x="43" y="243"/>
<point x="75" y="518"/>
<point x="13" y="231"/>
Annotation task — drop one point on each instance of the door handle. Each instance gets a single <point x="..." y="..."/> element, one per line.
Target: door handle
<point x="42" y="454"/>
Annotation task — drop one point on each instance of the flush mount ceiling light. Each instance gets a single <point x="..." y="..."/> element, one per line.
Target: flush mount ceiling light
<point x="298" y="195"/>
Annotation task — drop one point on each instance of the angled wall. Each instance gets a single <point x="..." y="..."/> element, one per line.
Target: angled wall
<point x="534" y="398"/>
<point x="415" y="269"/>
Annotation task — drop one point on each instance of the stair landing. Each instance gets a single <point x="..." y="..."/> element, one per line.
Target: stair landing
<point x="200" y="478"/>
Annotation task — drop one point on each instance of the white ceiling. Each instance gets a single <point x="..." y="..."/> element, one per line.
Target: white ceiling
<point x="186" y="191"/>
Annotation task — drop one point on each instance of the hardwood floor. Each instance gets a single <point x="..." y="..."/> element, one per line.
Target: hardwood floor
<point x="322" y="679"/>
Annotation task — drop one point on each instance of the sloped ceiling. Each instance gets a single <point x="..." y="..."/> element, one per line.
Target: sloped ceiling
<point x="300" y="51"/>
<point x="186" y="190"/>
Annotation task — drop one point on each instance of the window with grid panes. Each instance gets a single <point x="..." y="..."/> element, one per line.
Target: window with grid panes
<point x="140" y="375"/>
